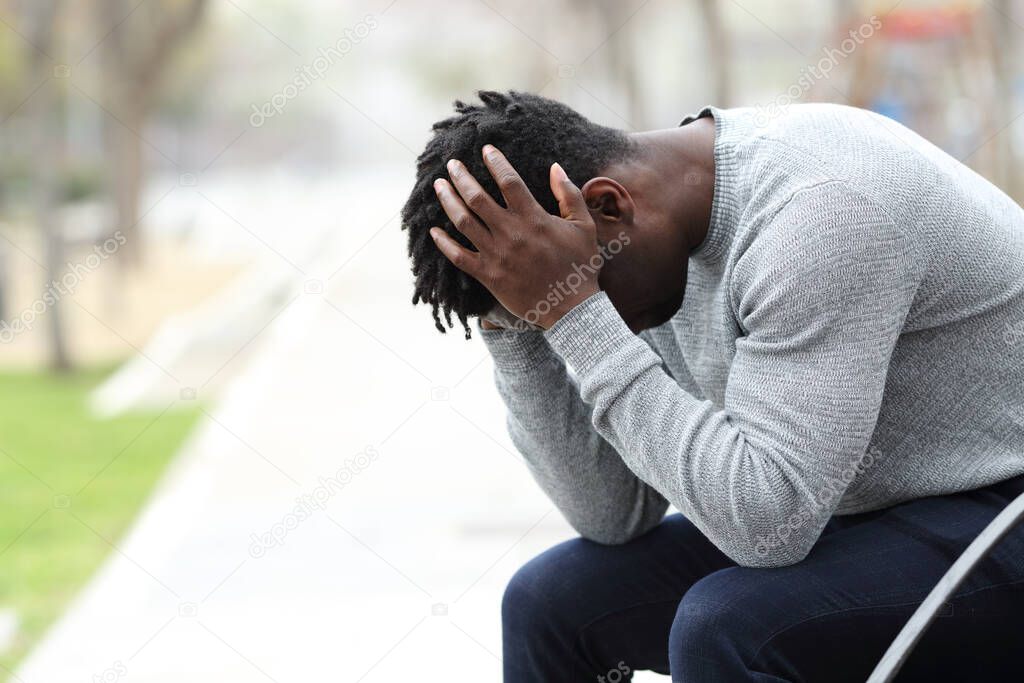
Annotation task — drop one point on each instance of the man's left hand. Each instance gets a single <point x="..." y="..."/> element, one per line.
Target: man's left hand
<point x="524" y="256"/>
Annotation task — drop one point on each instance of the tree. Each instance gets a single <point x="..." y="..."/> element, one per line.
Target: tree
<point x="719" y="51"/>
<point x="620" y="58"/>
<point x="135" y="62"/>
<point x="1004" y="48"/>
<point x="47" y="133"/>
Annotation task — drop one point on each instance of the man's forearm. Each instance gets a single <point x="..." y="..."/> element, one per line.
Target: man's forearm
<point x="551" y="426"/>
<point x="805" y="385"/>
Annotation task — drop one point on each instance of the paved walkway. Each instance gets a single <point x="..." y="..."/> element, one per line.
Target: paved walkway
<point x="414" y="511"/>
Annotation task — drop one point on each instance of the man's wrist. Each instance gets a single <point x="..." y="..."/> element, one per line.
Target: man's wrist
<point x="518" y="350"/>
<point x="590" y="334"/>
<point x="555" y="313"/>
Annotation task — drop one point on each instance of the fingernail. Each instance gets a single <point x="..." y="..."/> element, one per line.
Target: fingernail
<point x="489" y="150"/>
<point x="453" y="165"/>
<point x="433" y="233"/>
<point x="561" y="171"/>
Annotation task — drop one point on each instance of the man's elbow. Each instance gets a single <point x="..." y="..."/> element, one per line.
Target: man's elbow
<point x="604" y="536"/>
<point x="763" y="555"/>
<point x="613" y="533"/>
<point x="609" y="536"/>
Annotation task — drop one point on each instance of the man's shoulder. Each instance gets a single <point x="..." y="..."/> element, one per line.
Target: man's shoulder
<point x="818" y="231"/>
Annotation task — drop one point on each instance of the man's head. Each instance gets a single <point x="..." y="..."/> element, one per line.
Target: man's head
<point x="534" y="132"/>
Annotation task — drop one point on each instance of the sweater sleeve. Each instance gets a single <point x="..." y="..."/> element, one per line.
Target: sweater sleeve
<point x="551" y="427"/>
<point x="821" y="295"/>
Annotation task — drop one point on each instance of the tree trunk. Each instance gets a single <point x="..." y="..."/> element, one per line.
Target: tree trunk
<point x="48" y="132"/>
<point x="126" y="171"/>
<point x="719" y="51"/>
<point x="1004" y="50"/>
<point x="60" y="360"/>
<point x="133" y="66"/>
<point x="5" y="278"/>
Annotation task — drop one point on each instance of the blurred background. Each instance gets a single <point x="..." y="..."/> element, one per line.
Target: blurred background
<point x="230" y="450"/>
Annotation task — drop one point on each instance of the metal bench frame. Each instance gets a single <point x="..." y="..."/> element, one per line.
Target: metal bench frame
<point x="915" y="627"/>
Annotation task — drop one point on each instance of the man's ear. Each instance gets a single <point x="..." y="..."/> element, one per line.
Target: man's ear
<point x="608" y="200"/>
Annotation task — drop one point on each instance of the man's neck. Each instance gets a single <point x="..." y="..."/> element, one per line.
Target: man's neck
<point x="681" y="163"/>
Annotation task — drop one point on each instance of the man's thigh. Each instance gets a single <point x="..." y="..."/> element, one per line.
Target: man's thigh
<point x="585" y="609"/>
<point x="830" y="617"/>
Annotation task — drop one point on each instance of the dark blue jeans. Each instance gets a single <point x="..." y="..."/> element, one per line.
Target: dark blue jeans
<point x="673" y="603"/>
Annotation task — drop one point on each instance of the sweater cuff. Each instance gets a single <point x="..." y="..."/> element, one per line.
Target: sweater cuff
<point x="590" y="333"/>
<point x="518" y="351"/>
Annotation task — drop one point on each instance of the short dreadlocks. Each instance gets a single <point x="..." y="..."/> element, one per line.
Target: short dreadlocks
<point x="533" y="132"/>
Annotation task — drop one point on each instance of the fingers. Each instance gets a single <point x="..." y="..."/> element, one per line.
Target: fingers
<point x="513" y="189"/>
<point x="571" y="204"/>
<point x="460" y="215"/>
<point x="465" y="260"/>
<point x="475" y="197"/>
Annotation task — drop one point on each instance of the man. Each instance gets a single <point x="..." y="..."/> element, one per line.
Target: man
<point x="836" y="405"/>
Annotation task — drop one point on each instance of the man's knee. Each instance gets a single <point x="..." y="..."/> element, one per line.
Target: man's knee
<point x="538" y="597"/>
<point x="713" y="626"/>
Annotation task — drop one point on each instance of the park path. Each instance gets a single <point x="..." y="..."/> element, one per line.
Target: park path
<point x="423" y="510"/>
<point x="398" y="577"/>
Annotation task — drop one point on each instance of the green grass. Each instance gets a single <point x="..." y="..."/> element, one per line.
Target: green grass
<point x="52" y="448"/>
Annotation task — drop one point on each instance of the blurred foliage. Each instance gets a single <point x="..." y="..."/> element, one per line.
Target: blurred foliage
<point x="15" y="174"/>
<point x="12" y="67"/>
<point x="80" y="182"/>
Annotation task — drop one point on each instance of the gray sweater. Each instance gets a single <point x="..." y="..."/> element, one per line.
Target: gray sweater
<point x="852" y="337"/>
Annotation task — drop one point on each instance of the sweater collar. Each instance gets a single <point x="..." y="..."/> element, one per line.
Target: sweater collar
<point x="732" y="126"/>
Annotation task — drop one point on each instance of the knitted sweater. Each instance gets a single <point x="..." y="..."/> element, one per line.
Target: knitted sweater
<point x="852" y="336"/>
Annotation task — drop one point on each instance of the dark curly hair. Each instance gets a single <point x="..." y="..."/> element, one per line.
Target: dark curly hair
<point x="533" y="132"/>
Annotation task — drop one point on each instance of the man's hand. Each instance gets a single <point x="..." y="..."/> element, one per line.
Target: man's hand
<point x="536" y="265"/>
